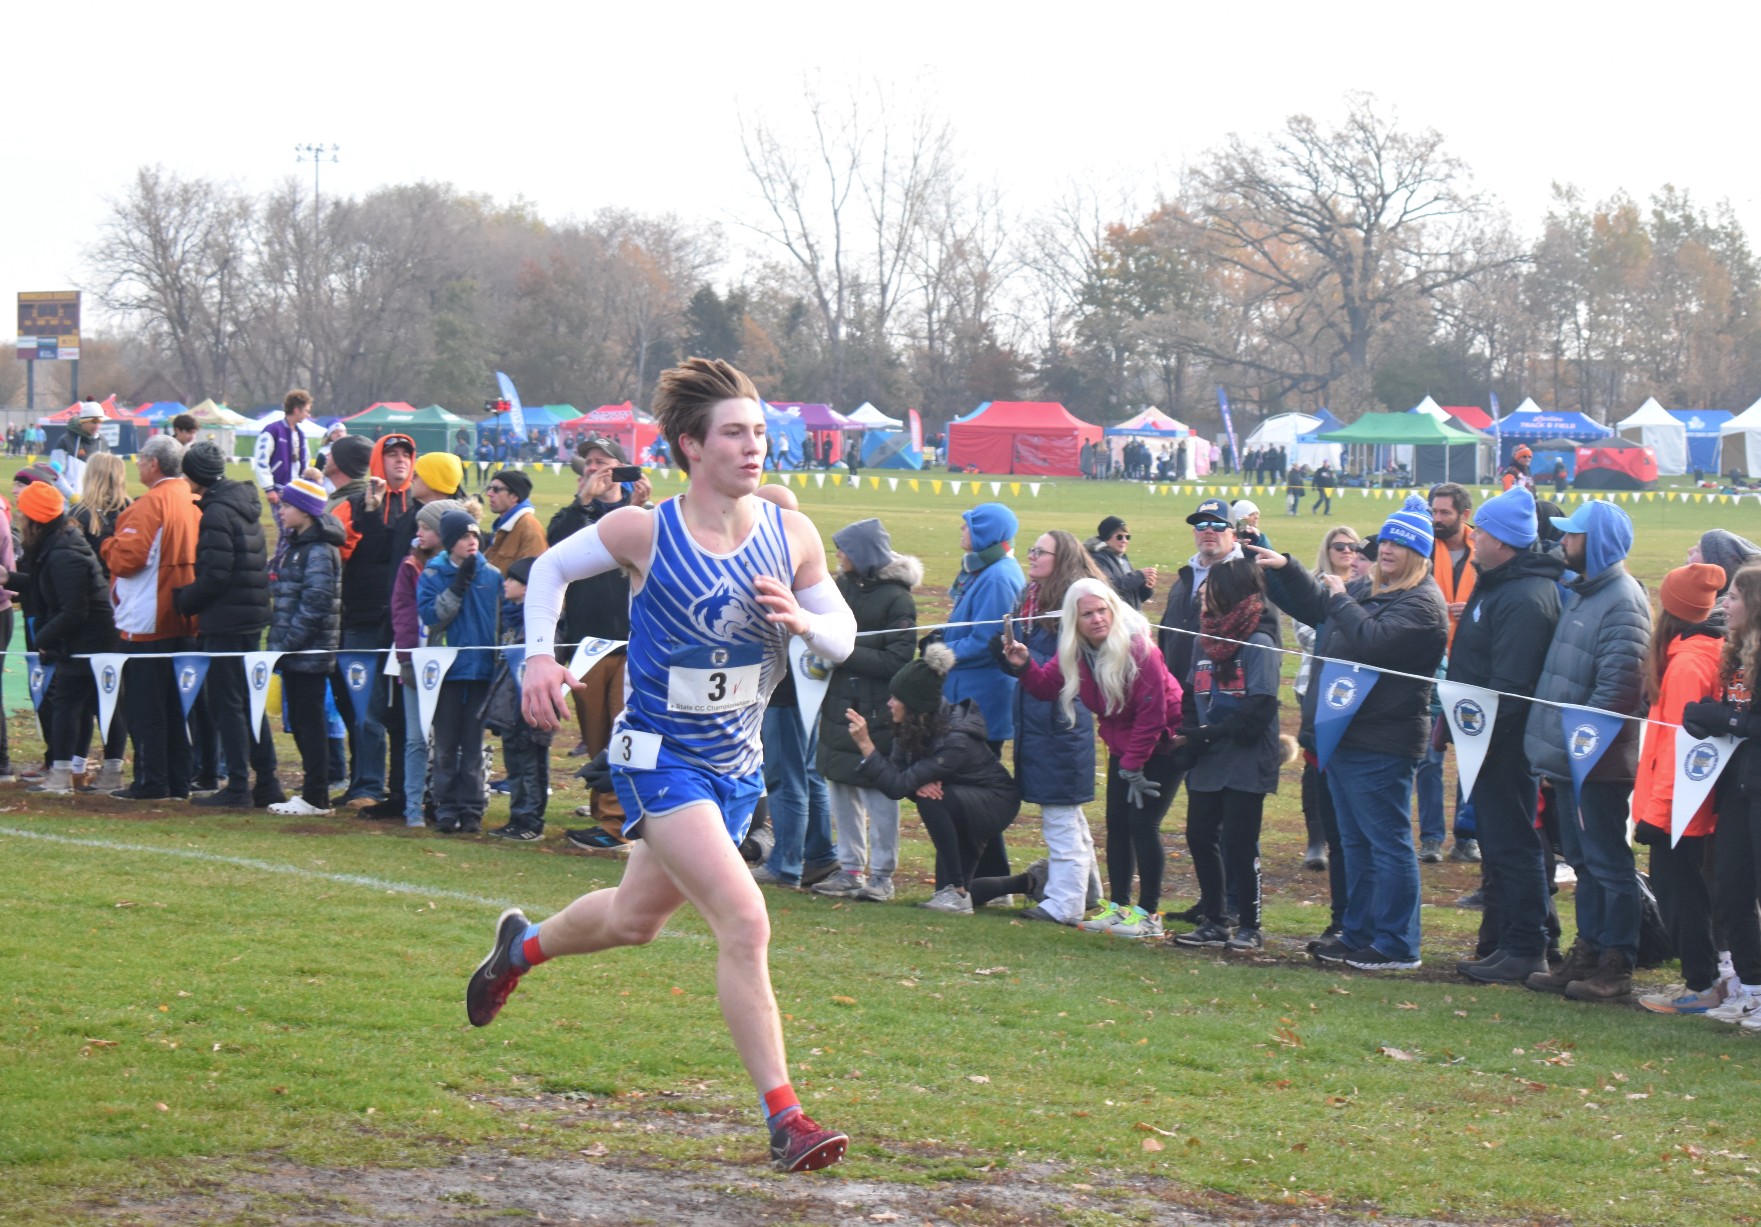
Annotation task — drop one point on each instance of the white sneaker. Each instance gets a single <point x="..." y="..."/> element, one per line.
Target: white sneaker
<point x="1136" y="922"/>
<point x="299" y="807"/>
<point x="1752" y="1022"/>
<point x="1736" y="1009"/>
<point x="949" y="900"/>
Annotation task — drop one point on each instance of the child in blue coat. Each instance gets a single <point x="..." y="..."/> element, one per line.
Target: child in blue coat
<point x="458" y="598"/>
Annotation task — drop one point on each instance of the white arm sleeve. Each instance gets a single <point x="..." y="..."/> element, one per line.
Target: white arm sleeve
<point x="577" y="556"/>
<point x="261" y="457"/>
<point x="832" y="635"/>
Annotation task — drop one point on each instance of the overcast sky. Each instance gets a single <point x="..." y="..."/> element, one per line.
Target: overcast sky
<point x="580" y="106"/>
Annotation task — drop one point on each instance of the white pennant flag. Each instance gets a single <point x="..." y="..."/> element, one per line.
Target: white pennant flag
<point x="892" y="483"/>
<point x="1034" y="486"/>
<point x="1471" y="712"/>
<point x="956" y="486"/>
<point x="259" y="667"/>
<point x="813" y="677"/>
<point x="996" y="488"/>
<point x="431" y="665"/>
<point x="107" y="673"/>
<point x="587" y="652"/>
<point x="819" y="480"/>
<point x="555" y="468"/>
<point x="1697" y="767"/>
<point x="855" y="482"/>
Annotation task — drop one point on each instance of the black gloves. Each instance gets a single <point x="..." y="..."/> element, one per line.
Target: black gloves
<point x="467" y="571"/>
<point x="1709" y="719"/>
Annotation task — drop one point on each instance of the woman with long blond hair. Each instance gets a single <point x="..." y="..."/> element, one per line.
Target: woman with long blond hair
<point x="1394" y="619"/>
<point x="1736" y="841"/>
<point x="103" y="497"/>
<point x="1106" y="656"/>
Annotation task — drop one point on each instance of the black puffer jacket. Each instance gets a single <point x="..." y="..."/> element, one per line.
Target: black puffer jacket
<point x="67" y="594"/>
<point x="961" y="759"/>
<point x="1505" y="629"/>
<point x="881" y="602"/>
<point x="231" y="592"/>
<point x="308" y="598"/>
<point x="1404" y="630"/>
<point x="1127" y="581"/>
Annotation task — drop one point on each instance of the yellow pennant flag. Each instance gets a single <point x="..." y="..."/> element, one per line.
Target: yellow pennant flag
<point x="874" y="483"/>
<point x="1650" y="496"/>
<point x="1724" y="498"/>
<point x="1015" y="487"/>
<point x="935" y="486"/>
<point x="915" y="485"/>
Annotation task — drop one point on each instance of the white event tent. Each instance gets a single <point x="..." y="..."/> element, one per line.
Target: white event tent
<point x="1285" y="430"/>
<point x="874" y="419"/>
<point x="1739" y="442"/>
<point x="1662" y="432"/>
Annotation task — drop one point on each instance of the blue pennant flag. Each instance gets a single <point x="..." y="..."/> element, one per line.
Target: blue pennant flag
<point x="40" y="676"/>
<point x="358" y="670"/>
<point x="1588" y="734"/>
<point x="1342" y="694"/>
<point x="191" y="671"/>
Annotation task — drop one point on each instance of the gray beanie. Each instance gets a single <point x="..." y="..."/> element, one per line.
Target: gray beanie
<point x="866" y="544"/>
<point x="429" y="515"/>
<point x="1727" y="550"/>
<point x="203" y="464"/>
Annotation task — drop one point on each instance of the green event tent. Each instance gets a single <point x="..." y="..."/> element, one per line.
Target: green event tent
<point x="433" y="428"/>
<point x="1416" y="430"/>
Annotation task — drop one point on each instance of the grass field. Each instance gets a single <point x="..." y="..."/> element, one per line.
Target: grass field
<point x="199" y="1001"/>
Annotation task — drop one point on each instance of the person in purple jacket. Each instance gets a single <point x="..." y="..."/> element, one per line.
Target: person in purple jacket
<point x="1106" y="655"/>
<point x="281" y="455"/>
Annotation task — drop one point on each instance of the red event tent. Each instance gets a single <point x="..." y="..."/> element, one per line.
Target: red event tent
<point x="1030" y="438"/>
<point x="111" y="414"/>
<point x="620" y="423"/>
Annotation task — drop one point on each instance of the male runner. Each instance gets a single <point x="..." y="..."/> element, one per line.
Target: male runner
<point x="719" y="579"/>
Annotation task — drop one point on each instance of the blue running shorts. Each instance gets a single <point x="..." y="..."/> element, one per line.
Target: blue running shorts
<point x="673" y="785"/>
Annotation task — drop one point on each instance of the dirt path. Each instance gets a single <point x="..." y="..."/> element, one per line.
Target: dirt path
<point x="480" y="1188"/>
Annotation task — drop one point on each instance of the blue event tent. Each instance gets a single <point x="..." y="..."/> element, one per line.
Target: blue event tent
<point x="890" y="449"/>
<point x="1533" y="425"/>
<point x="790" y="427"/>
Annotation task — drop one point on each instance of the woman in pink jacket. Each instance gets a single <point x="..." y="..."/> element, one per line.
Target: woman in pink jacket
<point x="1106" y="656"/>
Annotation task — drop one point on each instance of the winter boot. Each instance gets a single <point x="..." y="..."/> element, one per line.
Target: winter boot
<point x="1611" y="981"/>
<point x="58" y="780"/>
<point x="1580" y="962"/>
<point x="108" y="777"/>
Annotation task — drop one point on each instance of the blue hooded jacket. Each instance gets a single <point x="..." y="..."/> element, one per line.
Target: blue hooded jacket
<point x="474" y="625"/>
<point x="1597" y="657"/>
<point x="989" y="592"/>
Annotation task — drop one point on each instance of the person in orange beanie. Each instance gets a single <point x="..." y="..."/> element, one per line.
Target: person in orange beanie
<point x="1681" y="668"/>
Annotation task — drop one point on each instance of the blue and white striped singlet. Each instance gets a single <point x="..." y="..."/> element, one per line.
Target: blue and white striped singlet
<point x="702" y="658"/>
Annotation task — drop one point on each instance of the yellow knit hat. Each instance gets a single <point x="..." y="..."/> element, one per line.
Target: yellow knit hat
<point x="441" y="472"/>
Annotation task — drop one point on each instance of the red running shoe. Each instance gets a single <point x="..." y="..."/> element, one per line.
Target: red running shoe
<point x="496" y="976"/>
<point x="799" y="1145"/>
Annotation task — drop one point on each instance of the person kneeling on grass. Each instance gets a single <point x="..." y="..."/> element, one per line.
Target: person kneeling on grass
<point x="306" y="625"/>
<point x="940" y="757"/>
<point x="525" y="751"/>
<point x="1105" y="655"/>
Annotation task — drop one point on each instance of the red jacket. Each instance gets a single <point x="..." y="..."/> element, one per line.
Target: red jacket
<point x="1690" y="674"/>
<point x="1150" y="716"/>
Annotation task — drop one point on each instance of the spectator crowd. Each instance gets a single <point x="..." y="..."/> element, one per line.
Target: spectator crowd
<point x="377" y="552"/>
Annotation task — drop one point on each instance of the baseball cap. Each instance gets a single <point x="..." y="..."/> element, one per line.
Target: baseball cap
<point x="1212" y="509"/>
<point x="601" y="443"/>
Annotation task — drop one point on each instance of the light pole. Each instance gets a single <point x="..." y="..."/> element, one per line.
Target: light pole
<point x="316" y="155"/>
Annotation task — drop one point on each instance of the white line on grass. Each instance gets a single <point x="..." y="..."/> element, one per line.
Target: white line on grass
<point x="194" y="854"/>
<point x="241" y="862"/>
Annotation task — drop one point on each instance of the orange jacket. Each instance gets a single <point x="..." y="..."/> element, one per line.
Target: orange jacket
<point x="1443" y="571"/>
<point x="1690" y="675"/>
<point x="151" y="554"/>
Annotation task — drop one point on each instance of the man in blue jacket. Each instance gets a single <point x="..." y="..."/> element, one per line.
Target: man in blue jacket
<point x="1596" y="659"/>
<point x="458" y="598"/>
<point x="987" y="588"/>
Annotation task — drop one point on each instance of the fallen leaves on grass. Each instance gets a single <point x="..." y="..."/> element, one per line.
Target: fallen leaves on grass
<point x="1149" y="1128"/>
<point x="1287" y="1037"/>
<point x="1398" y="1054"/>
<point x="596" y="1151"/>
<point x="1152" y="1144"/>
<point x="976" y="1078"/>
<point x="843" y="1000"/>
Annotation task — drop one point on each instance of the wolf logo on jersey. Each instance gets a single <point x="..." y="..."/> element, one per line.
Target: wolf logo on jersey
<point x="720" y="614"/>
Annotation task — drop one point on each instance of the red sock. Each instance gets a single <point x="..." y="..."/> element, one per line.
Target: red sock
<point x="780" y="1102"/>
<point x="531" y="951"/>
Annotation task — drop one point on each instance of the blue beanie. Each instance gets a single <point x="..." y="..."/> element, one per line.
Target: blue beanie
<point x="990" y="523"/>
<point x="1510" y="517"/>
<point x="1410" y="526"/>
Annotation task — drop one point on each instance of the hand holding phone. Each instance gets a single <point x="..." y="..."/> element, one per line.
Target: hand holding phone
<point x="626" y="473"/>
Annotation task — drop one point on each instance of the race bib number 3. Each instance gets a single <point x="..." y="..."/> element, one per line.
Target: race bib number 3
<point x="633" y="751"/>
<point x="704" y="680"/>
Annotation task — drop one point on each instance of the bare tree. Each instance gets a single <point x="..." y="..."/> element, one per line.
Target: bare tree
<point x="1335" y="235"/>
